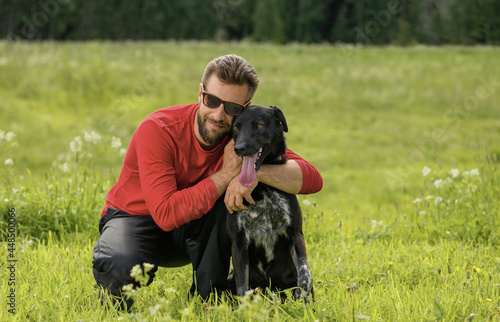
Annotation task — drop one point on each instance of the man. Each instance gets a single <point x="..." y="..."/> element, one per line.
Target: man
<point x="179" y="179"/>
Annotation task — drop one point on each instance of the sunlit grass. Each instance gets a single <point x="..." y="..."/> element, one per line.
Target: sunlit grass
<point x="384" y="241"/>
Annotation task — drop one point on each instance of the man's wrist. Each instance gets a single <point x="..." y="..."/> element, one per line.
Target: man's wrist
<point x="221" y="179"/>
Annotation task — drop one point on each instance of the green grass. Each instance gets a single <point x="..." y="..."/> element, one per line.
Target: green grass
<point x="384" y="241"/>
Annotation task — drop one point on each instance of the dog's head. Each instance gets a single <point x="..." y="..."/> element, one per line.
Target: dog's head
<point x="258" y="138"/>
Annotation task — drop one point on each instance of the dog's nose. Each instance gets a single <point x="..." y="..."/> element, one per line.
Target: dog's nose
<point x="240" y="149"/>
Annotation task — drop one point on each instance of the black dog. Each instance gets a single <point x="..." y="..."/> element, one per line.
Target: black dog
<point x="268" y="246"/>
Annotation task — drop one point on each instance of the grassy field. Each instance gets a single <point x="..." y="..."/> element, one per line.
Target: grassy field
<point x="406" y="227"/>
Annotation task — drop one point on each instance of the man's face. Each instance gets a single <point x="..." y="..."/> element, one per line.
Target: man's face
<point x="211" y="125"/>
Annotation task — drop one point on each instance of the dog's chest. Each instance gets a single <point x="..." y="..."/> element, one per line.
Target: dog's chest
<point x="266" y="221"/>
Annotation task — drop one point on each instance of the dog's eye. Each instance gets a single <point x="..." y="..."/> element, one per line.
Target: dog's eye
<point x="235" y="128"/>
<point x="259" y="126"/>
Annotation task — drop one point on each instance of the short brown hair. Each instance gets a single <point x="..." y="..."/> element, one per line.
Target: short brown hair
<point x="233" y="69"/>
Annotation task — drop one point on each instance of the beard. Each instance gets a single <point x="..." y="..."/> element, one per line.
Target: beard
<point x="211" y="138"/>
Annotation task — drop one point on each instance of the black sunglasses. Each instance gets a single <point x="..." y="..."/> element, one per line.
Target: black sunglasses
<point x="213" y="101"/>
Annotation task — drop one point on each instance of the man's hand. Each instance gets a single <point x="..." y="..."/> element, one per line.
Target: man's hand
<point x="226" y="180"/>
<point x="231" y="168"/>
<point x="235" y="193"/>
<point x="231" y="163"/>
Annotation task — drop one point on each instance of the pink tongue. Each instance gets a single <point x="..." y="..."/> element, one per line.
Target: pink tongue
<point x="247" y="175"/>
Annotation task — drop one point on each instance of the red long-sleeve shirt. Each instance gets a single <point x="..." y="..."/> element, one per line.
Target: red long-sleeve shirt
<point x="165" y="171"/>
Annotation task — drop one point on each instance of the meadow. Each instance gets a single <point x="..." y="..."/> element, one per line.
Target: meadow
<point x="406" y="227"/>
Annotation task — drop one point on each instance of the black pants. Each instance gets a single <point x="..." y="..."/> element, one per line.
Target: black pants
<point x="127" y="240"/>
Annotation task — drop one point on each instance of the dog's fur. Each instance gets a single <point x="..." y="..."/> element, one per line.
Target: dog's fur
<point x="268" y="247"/>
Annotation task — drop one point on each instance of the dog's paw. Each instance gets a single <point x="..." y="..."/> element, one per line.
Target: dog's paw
<point x="304" y="284"/>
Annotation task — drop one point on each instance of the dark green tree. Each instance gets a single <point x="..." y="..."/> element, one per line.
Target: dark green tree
<point x="267" y="22"/>
<point x="308" y="21"/>
<point x="343" y="29"/>
<point x="279" y="21"/>
<point x="475" y="21"/>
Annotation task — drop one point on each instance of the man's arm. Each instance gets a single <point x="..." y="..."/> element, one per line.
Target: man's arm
<point x="296" y="176"/>
<point x="152" y="152"/>
<point x="287" y="177"/>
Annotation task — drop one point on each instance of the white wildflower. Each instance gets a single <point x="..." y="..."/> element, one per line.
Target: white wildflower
<point x="438" y="183"/>
<point x="148" y="267"/>
<point x="76" y="145"/>
<point x="9" y="136"/>
<point x="154" y="309"/>
<point x="426" y="171"/>
<point x="9" y="162"/>
<point x="361" y="316"/>
<point x="429" y="197"/>
<point x="123" y="151"/>
<point x="306" y="202"/>
<point x="454" y="173"/>
<point x="116" y="143"/>
<point x="64" y="167"/>
<point x="136" y="271"/>
<point x="474" y="172"/>
<point x="170" y="290"/>
<point x="376" y="223"/>
<point x="128" y="287"/>
<point x="418" y="200"/>
<point x="438" y="200"/>
<point x="92" y="137"/>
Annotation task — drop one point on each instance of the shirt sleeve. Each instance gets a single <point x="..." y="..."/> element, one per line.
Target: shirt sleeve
<point x="312" y="179"/>
<point x="169" y="207"/>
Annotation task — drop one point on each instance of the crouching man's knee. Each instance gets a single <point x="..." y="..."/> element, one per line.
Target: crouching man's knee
<point x="113" y="273"/>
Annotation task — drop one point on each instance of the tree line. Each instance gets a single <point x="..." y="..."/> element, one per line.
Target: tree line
<point x="376" y="22"/>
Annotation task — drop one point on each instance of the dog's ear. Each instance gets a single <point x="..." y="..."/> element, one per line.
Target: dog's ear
<point x="280" y="117"/>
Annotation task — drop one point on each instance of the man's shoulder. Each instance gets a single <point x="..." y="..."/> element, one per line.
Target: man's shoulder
<point x="172" y="115"/>
<point x="175" y="121"/>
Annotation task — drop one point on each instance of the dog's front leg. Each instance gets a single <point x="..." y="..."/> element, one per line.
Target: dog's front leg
<point x="239" y="251"/>
<point x="304" y="277"/>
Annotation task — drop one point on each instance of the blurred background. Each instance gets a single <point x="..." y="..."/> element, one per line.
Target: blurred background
<point x="279" y="21"/>
<point x="396" y="103"/>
